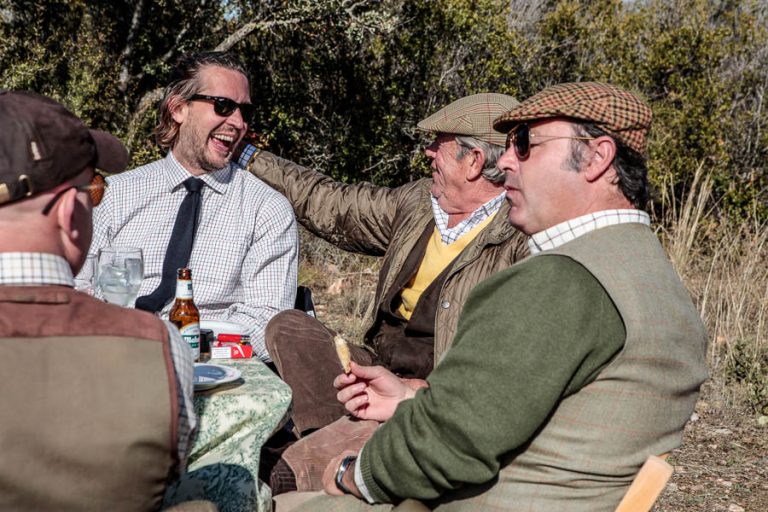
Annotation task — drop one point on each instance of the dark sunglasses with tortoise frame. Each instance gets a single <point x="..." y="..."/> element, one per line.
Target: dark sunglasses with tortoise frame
<point x="95" y="189"/>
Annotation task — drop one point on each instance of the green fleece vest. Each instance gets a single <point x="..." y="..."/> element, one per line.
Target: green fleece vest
<point x="587" y="453"/>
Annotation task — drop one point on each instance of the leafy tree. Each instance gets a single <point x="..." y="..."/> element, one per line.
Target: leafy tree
<point x="341" y="84"/>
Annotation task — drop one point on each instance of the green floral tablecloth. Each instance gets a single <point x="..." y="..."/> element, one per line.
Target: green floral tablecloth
<point x="234" y="421"/>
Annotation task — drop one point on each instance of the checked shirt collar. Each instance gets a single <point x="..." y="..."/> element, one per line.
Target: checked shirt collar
<point x="450" y="235"/>
<point x="218" y="181"/>
<point x="571" y="229"/>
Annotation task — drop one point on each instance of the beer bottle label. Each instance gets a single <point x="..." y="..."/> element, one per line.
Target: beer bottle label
<point x="191" y="334"/>
<point x="183" y="289"/>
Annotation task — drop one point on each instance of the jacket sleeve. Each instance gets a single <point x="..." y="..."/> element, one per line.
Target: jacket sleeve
<point x="357" y="218"/>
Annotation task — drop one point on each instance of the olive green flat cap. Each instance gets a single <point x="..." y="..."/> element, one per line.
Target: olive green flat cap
<point x="620" y="113"/>
<point x="471" y="115"/>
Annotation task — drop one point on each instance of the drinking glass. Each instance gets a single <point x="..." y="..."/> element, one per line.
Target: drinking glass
<point x="119" y="274"/>
<point x="84" y="281"/>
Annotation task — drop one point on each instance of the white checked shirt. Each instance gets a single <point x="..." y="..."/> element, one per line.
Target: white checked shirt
<point x="450" y="235"/>
<point x="40" y="269"/>
<point x="571" y="229"/>
<point x="245" y="256"/>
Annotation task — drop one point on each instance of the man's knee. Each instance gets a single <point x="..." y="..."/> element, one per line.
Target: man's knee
<point x="290" y="331"/>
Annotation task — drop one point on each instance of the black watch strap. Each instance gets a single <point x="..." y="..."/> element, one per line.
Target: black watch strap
<point x="345" y="463"/>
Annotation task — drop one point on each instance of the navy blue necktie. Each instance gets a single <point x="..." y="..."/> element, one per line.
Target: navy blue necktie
<point x="178" y="250"/>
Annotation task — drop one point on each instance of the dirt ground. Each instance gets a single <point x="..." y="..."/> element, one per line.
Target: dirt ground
<point x="722" y="464"/>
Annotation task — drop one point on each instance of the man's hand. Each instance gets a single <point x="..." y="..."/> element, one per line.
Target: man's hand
<point x="329" y="476"/>
<point x="373" y="392"/>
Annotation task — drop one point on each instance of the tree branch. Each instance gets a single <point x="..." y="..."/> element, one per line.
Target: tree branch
<point x="125" y="55"/>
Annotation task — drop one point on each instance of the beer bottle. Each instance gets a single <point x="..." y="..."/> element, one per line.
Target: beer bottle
<point x="184" y="314"/>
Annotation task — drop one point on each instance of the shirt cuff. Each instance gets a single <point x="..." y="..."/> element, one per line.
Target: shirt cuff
<point x="360" y="483"/>
<point x="248" y="152"/>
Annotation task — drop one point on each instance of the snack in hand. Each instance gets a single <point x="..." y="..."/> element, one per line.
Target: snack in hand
<point x="342" y="350"/>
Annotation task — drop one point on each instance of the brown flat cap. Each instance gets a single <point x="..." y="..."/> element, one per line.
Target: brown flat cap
<point x="42" y="145"/>
<point x="620" y="113"/>
<point x="472" y="115"/>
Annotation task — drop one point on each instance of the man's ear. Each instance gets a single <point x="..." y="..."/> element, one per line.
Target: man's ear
<point x="477" y="163"/>
<point x="68" y="215"/>
<point x="602" y="153"/>
<point x="179" y="108"/>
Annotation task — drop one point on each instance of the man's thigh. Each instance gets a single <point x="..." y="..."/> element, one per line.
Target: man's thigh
<point x="303" y="351"/>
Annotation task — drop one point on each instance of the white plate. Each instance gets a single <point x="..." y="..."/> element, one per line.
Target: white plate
<point x="218" y="326"/>
<point x="209" y="376"/>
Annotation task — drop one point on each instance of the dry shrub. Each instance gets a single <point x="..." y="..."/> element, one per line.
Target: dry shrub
<point x="724" y="264"/>
<point x="343" y="285"/>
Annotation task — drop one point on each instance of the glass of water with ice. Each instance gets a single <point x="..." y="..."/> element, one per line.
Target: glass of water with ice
<point x="120" y="271"/>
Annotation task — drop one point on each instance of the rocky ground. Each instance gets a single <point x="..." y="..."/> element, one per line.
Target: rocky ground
<point x="722" y="464"/>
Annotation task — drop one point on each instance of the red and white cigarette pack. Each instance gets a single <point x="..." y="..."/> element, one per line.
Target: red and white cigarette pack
<point x="228" y="350"/>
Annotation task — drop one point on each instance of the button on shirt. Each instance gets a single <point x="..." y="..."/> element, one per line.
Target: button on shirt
<point x="245" y="254"/>
<point x="40" y="269"/>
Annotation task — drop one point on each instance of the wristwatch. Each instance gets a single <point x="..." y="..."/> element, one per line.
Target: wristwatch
<point x="345" y="463"/>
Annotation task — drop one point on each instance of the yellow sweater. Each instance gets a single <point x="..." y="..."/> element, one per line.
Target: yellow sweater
<point x="436" y="258"/>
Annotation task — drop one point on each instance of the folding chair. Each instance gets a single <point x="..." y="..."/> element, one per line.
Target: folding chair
<point x="304" y="301"/>
<point x="647" y="485"/>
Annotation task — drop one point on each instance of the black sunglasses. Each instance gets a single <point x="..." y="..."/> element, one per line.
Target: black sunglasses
<point x="520" y="136"/>
<point x="95" y="189"/>
<point x="224" y="107"/>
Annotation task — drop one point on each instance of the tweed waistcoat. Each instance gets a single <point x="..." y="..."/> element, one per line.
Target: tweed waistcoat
<point x="89" y="403"/>
<point x="587" y="453"/>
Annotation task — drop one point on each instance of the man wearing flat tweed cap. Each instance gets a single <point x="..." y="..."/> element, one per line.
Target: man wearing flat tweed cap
<point x="437" y="238"/>
<point x="569" y="368"/>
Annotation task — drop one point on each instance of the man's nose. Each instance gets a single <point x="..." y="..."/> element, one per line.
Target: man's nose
<point x="431" y="150"/>
<point x="236" y="119"/>
<point x="508" y="160"/>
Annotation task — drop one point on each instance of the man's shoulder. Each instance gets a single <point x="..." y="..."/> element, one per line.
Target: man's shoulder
<point x="254" y="189"/>
<point x="539" y="271"/>
<point x="150" y="171"/>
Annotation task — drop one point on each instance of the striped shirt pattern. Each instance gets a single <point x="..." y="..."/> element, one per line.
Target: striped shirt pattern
<point x="245" y="256"/>
<point x="40" y="269"/>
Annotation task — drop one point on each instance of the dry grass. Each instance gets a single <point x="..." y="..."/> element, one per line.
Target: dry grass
<point x="343" y="285"/>
<point x="724" y="264"/>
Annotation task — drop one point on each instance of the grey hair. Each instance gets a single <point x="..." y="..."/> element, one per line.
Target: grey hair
<point x="492" y="154"/>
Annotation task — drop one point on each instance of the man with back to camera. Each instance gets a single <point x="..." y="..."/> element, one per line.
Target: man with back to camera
<point x="194" y="208"/>
<point x="570" y="368"/>
<point x="97" y="399"/>
<point x="438" y="238"/>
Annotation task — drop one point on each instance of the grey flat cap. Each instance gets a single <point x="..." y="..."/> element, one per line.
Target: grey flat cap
<point x="472" y="115"/>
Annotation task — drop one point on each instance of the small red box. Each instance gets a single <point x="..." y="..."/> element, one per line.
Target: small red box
<point x="231" y="351"/>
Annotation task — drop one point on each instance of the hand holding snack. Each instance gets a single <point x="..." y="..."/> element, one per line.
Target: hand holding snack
<point x="373" y="392"/>
<point x="342" y="350"/>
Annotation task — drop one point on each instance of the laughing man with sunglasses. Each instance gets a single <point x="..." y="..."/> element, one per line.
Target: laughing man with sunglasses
<point x="569" y="368"/>
<point x="195" y="208"/>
